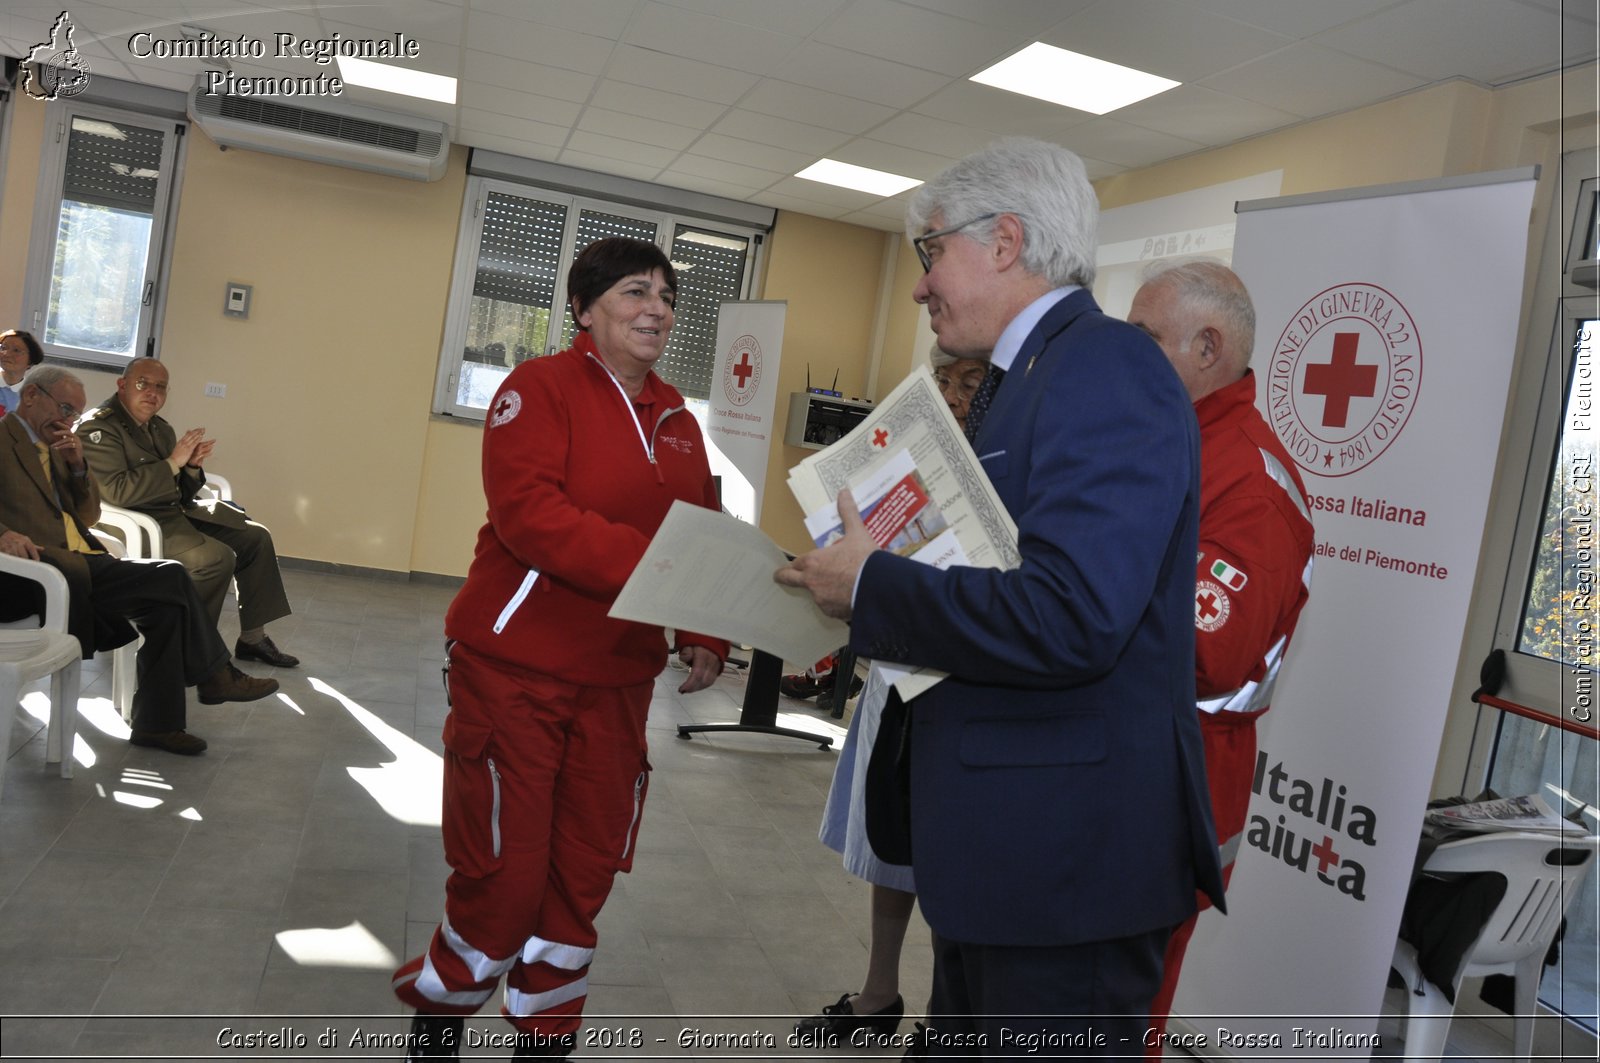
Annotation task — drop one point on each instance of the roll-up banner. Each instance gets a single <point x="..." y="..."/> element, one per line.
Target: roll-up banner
<point x="744" y="394"/>
<point x="1386" y="324"/>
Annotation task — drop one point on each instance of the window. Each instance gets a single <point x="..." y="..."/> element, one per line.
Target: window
<point x="92" y="293"/>
<point x="516" y="244"/>
<point x="1548" y="617"/>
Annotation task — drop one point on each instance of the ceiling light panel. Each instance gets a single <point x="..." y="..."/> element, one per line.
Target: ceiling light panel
<point x="1058" y="76"/>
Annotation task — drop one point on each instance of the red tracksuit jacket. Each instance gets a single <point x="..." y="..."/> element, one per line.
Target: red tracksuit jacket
<point x="576" y="484"/>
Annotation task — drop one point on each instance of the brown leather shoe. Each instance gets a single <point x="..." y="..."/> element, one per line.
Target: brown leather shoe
<point x="266" y="651"/>
<point x="180" y="742"/>
<point x="230" y="684"/>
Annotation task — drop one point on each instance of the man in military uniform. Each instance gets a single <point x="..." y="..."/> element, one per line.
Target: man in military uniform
<point x="143" y="464"/>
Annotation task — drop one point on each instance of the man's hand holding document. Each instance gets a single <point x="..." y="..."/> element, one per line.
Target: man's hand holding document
<point x="906" y="480"/>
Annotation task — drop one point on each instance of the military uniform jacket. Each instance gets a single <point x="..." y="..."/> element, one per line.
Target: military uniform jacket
<point x="130" y="461"/>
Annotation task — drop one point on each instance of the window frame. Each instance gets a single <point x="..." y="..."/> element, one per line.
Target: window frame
<point x="46" y="219"/>
<point x="1539" y="683"/>
<point x="469" y="242"/>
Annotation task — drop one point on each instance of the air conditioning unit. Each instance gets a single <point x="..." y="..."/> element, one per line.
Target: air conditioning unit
<point x="324" y="129"/>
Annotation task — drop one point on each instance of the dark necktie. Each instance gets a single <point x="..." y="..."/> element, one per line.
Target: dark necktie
<point x="981" y="399"/>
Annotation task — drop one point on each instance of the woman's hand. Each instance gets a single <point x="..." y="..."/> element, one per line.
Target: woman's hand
<point x="704" y="667"/>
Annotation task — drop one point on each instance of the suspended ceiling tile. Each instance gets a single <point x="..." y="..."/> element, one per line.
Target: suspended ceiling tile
<point x="655" y="103"/>
<point x="798" y="204"/>
<point x="501" y="100"/>
<point x="818" y="192"/>
<point x="706" y="39"/>
<point x="606" y="164"/>
<point x="778" y="132"/>
<point x="1030" y="18"/>
<point x="677" y="177"/>
<point x="598" y="18"/>
<point x="504" y="125"/>
<point x="1490" y="41"/>
<point x="637" y="128"/>
<point x="1204" y="115"/>
<point x="1122" y="144"/>
<point x="630" y="151"/>
<point x="433" y="56"/>
<point x="1003" y="113"/>
<point x="923" y="133"/>
<point x="1294" y="18"/>
<point x="781" y="16"/>
<point x="533" y="78"/>
<point x="523" y="149"/>
<point x="1312" y="81"/>
<point x="833" y="69"/>
<point x="927" y="40"/>
<point x="733" y="174"/>
<point x="1189" y="44"/>
<point x="801" y="103"/>
<point x="671" y="73"/>
<point x="427" y="22"/>
<point x="877" y="155"/>
<point x="781" y="160"/>
<point x="534" y="43"/>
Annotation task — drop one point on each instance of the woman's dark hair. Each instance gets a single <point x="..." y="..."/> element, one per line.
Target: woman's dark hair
<point x="35" y="352"/>
<point x="605" y="262"/>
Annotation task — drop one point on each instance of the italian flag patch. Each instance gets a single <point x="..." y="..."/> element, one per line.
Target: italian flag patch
<point x="1231" y="577"/>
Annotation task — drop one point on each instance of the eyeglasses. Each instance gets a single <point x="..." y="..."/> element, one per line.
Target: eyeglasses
<point x="145" y="385"/>
<point x="920" y="242"/>
<point x="66" y="411"/>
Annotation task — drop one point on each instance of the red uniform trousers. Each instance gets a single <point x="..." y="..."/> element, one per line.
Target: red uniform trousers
<point x="544" y="784"/>
<point x="1229" y="739"/>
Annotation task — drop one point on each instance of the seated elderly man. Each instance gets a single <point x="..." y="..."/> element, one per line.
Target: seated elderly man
<point x="48" y="499"/>
<point x="143" y="464"/>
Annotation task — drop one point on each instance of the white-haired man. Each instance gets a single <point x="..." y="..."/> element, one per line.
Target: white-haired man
<point x="1058" y="819"/>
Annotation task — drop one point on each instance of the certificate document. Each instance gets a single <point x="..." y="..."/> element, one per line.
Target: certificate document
<point x="915" y="419"/>
<point x="711" y="573"/>
<point x="920" y="489"/>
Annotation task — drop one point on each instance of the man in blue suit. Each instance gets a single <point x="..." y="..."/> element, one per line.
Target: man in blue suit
<point x="1060" y="824"/>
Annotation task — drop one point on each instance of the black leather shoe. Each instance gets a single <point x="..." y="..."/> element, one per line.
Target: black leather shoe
<point x="264" y="651"/>
<point x="434" y="1037"/>
<point x="180" y="742"/>
<point x="839" y="1020"/>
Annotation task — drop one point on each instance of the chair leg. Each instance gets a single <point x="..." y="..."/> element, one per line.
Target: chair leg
<point x="62" y="735"/>
<point x="10" y="683"/>
<point x="1427" y="1021"/>
<point x="1526" y="998"/>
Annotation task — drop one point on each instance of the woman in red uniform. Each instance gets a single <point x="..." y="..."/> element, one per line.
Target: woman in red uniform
<point x="545" y="760"/>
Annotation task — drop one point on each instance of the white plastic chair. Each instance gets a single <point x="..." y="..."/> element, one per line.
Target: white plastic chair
<point x="1544" y="874"/>
<point x="131" y="527"/>
<point x="29" y="653"/>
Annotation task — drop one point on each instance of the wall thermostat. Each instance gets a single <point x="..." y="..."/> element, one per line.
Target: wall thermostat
<point x="237" y="301"/>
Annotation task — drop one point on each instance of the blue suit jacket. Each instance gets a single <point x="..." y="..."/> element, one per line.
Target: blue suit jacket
<point x="1057" y="783"/>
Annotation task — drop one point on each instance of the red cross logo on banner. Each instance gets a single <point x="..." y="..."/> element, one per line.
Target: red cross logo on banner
<point x="743" y="369"/>
<point x="880" y="438"/>
<point x="1341" y="380"/>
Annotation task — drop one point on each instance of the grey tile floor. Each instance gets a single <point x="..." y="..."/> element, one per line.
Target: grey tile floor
<point x="163" y="907"/>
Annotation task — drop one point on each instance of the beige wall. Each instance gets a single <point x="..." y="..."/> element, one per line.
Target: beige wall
<point x="326" y="429"/>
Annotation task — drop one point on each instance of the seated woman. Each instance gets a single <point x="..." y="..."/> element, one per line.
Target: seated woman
<point x="19" y="352"/>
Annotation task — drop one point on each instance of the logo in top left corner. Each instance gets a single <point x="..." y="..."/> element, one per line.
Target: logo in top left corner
<point x="55" y="69"/>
